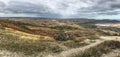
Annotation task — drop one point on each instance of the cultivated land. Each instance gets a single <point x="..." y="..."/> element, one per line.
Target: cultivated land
<point x="24" y="37"/>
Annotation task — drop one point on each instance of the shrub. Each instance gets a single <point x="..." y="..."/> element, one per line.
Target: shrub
<point x="62" y="36"/>
<point x="63" y="27"/>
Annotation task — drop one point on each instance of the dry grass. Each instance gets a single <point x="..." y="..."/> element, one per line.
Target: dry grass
<point x="24" y="35"/>
<point x="33" y="45"/>
<point x="103" y="48"/>
<point x="38" y="44"/>
<point x="29" y="44"/>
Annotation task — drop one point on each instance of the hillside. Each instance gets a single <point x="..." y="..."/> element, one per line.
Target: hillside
<point x="32" y="38"/>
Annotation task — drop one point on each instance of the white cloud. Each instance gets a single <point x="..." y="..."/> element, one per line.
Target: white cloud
<point x="64" y="8"/>
<point x="108" y="16"/>
<point x="16" y="15"/>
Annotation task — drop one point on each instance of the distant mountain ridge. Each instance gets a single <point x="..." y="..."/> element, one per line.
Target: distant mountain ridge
<point x="79" y="20"/>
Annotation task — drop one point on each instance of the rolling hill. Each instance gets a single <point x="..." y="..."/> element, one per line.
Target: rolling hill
<point x="38" y="37"/>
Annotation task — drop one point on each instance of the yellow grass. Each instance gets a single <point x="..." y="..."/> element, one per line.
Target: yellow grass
<point x="24" y="35"/>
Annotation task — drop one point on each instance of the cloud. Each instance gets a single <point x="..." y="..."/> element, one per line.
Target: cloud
<point x="61" y="8"/>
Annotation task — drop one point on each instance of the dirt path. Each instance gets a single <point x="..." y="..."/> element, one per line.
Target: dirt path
<point x="115" y="38"/>
<point x="114" y="53"/>
<point x="72" y="52"/>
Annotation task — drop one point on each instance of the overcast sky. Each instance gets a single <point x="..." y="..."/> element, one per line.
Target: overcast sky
<point x="98" y="9"/>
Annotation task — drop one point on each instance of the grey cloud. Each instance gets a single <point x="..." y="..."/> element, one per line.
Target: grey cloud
<point x="25" y="7"/>
<point x="109" y="13"/>
<point x="61" y="8"/>
<point x="2" y="4"/>
<point x="106" y="5"/>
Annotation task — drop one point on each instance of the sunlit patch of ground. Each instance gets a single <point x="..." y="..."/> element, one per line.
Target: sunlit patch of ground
<point x="5" y="53"/>
<point x="109" y="25"/>
<point x="24" y="35"/>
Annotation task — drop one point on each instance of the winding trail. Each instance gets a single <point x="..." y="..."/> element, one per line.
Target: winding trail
<point x="115" y="38"/>
<point x="114" y="53"/>
<point x="73" y="52"/>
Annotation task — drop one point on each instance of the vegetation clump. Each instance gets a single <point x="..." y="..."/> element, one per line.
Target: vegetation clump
<point x="62" y="36"/>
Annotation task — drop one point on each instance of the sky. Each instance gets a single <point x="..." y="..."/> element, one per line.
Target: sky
<point x="91" y="9"/>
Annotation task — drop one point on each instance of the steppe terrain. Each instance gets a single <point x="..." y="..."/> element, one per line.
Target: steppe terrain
<point x="22" y="37"/>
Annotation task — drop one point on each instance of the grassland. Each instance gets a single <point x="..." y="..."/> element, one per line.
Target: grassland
<point x="39" y="38"/>
<point x="98" y="50"/>
<point x="29" y="44"/>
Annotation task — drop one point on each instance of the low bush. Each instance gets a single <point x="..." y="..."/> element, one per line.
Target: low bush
<point x="62" y="36"/>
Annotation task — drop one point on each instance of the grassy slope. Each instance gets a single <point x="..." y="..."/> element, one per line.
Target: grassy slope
<point x="101" y="49"/>
<point x="21" y="37"/>
<point x="17" y="41"/>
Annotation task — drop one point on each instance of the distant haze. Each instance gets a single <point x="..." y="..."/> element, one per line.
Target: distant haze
<point x="97" y="9"/>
